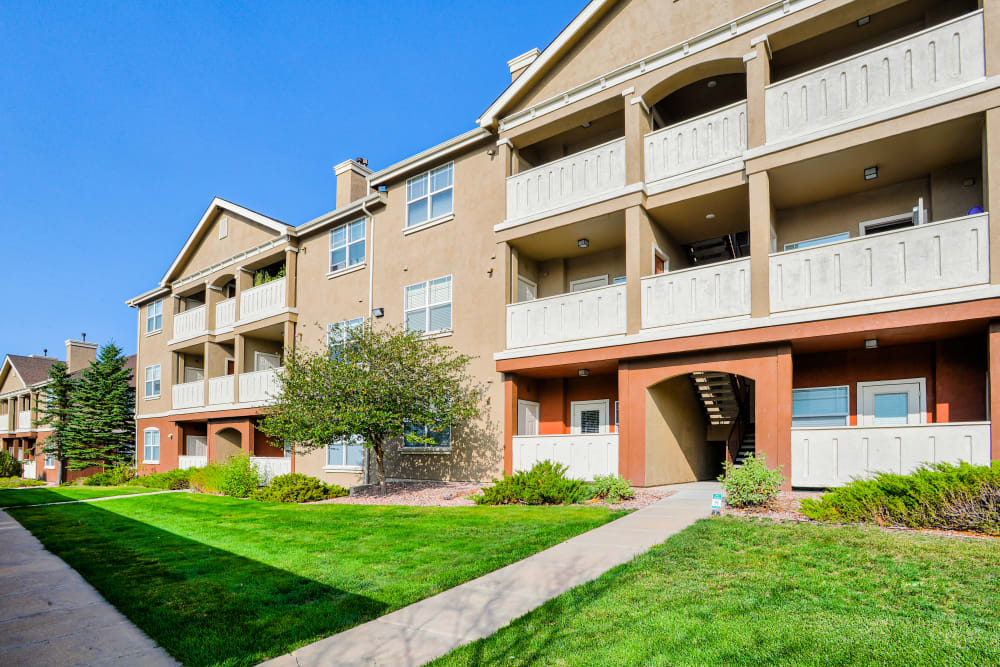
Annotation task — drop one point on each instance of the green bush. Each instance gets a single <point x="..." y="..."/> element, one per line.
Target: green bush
<point x="170" y="480"/>
<point x="611" y="488"/>
<point x="10" y="466"/>
<point x="240" y="477"/>
<point x="751" y="485"/>
<point x="17" y="482"/>
<point x="951" y="497"/>
<point x="207" y="479"/>
<point x="545" y="484"/>
<point x="297" y="488"/>
<point x="111" y="477"/>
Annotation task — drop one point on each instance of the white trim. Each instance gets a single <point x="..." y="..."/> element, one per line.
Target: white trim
<point x="921" y="397"/>
<point x="433" y="222"/>
<point x="425" y="450"/>
<point x="350" y="269"/>
<point x="517" y="425"/>
<point x="864" y="225"/>
<point x="694" y="176"/>
<point x="589" y="201"/>
<point x="429" y="196"/>
<point x="429" y="156"/>
<point x="347" y="225"/>
<point x="603" y="404"/>
<point x="435" y="333"/>
<point x="520" y="62"/>
<point x="351" y="469"/>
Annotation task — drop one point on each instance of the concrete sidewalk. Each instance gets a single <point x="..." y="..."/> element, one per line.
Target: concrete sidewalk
<point x="430" y="628"/>
<point x="50" y="616"/>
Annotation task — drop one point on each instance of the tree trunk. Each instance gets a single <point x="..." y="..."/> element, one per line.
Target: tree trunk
<point x="380" y="460"/>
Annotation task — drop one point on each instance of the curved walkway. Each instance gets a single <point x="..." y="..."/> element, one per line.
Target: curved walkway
<point x="430" y="628"/>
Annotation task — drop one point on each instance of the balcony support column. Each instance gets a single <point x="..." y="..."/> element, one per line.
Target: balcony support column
<point x="763" y="241"/>
<point x="637" y="125"/>
<point x="291" y="268"/>
<point x="991" y="25"/>
<point x="289" y="336"/>
<point x="991" y="187"/>
<point x="238" y="365"/>
<point x="213" y="296"/>
<point x="758" y="66"/>
<point x="638" y="262"/>
<point x="244" y="281"/>
<point x="994" y="389"/>
<point x="513" y="271"/>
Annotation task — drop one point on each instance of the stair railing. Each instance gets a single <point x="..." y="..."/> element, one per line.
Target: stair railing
<point x="742" y="422"/>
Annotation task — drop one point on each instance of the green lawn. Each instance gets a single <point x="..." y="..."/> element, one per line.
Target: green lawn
<point x="219" y="581"/>
<point x="736" y="591"/>
<point x="62" y="494"/>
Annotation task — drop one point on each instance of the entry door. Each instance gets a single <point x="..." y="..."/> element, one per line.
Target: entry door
<point x="589" y="416"/>
<point x="527" y="418"/>
<point x="588" y="283"/>
<point x="230" y="367"/>
<point x="197" y="445"/>
<point x="264" y="362"/>
<point x="891" y="403"/>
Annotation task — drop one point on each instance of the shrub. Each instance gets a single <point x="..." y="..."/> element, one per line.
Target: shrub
<point x="17" y="482"/>
<point x="207" y="479"/>
<point x="611" y="488"/>
<point x="941" y="495"/>
<point x="170" y="480"/>
<point x="240" y="477"/>
<point x="111" y="477"/>
<point x="545" y="484"/>
<point x="752" y="484"/>
<point x="10" y="466"/>
<point x="297" y="488"/>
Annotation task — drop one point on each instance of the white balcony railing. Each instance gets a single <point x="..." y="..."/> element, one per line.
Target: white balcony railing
<point x="694" y="295"/>
<point x="29" y="469"/>
<point x="188" y="395"/>
<point x="905" y="71"/>
<point x="571" y="180"/>
<point x="587" y="314"/>
<point x="185" y="462"/>
<point x="221" y="390"/>
<point x="263" y="301"/>
<point x="941" y="255"/>
<point x="823" y="457"/>
<point x="24" y="420"/>
<point x="585" y="455"/>
<point x="270" y="467"/>
<point x="190" y="323"/>
<point x="259" y="386"/>
<point x="700" y="142"/>
<point x="225" y="313"/>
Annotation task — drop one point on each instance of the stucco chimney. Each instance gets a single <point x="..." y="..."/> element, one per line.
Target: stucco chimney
<point x="79" y="354"/>
<point x="351" y="183"/>
<point x="519" y="64"/>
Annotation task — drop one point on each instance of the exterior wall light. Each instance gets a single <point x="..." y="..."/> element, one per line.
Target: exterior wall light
<point x="378" y="312"/>
<point x="871" y="343"/>
<point x="583" y="243"/>
<point x="864" y="20"/>
<point x="583" y="372"/>
<point x="871" y="173"/>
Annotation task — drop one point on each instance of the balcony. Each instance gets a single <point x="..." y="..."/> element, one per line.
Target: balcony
<point x="936" y="256"/>
<point x="589" y="313"/>
<point x="24" y="420"/>
<point x="702" y="293"/>
<point x="879" y="81"/>
<point x="221" y="390"/>
<point x="185" y="462"/>
<point x="585" y="455"/>
<point x="824" y="457"/>
<point x="190" y="323"/>
<point x="581" y="178"/>
<point x="225" y="314"/>
<point x="259" y="386"/>
<point x="263" y="301"/>
<point x="691" y="148"/>
<point x="269" y="467"/>
<point x="188" y="395"/>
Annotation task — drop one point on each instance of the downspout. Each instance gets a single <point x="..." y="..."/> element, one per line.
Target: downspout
<point x="371" y="288"/>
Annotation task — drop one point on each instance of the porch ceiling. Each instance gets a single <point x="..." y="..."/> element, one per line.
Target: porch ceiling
<point x="603" y="232"/>
<point x="686" y="220"/>
<point x="604" y="367"/>
<point x="891" y="337"/>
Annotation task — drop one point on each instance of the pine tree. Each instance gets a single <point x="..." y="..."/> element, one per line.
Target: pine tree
<point x="55" y="409"/>
<point x="101" y="428"/>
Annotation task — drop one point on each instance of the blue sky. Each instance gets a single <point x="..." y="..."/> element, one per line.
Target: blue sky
<point x="119" y="121"/>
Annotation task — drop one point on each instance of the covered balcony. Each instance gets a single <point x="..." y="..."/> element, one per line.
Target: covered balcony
<point x="262" y="356"/>
<point x="191" y="315"/>
<point x="188" y="389"/>
<point x="24" y="420"/>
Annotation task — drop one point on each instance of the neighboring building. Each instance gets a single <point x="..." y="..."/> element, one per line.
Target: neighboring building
<point x="678" y="237"/>
<point x="22" y="396"/>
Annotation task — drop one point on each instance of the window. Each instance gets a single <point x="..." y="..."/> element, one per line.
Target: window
<point x="50" y="461"/>
<point x="345" y="453"/>
<point x="339" y="330"/>
<point x="223" y="227"/>
<point x="441" y="438"/>
<point x="152" y="381"/>
<point x="809" y="243"/>
<point x="820" y="406"/>
<point x="151" y="445"/>
<point x="429" y="195"/>
<point x="347" y="245"/>
<point x="588" y="283"/>
<point x="154" y="316"/>
<point x="428" y="306"/>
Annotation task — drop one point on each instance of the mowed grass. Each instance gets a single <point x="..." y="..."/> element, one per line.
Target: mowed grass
<point x="62" y="494"/>
<point x="220" y="581"/>
<point x="742" y="592"/>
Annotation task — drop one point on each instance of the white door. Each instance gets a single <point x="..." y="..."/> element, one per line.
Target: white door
<point x="589" y="416"/>
<point x="193" y="374"/>
<point x="265" y="362"/>
<point x="196" y="445"/>
<point x="527" y="290"/>
<point x="527" y="418"/>
<point x="588" y="283"/>
<point x="891" y="403"/>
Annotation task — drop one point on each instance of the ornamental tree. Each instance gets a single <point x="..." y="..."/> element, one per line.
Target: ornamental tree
<point x="371" y="384"/>
<point x="55" y="410"/>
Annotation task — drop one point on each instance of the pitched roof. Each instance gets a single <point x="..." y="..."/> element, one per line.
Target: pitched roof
<point x="31" y="370"/>
<point x="130" y="363"/>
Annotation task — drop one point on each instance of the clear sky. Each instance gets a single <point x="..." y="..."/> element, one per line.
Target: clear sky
<point x="120" y="121"/>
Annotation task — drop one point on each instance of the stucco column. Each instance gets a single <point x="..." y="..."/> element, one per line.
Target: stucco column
<point x="238" y="363"/>
<point x="991" y="187"/>
<point x="244" y="281"/>
<point x="513" y="270"/>
<point x="637" y="126"/>
<point x="638" y="262"/>
<point x="758" y="68"/>
<point x="773" y="412"/>
<point x="213" y="295"/>
<point x="289" y="336"/>
<point x="509" y="421"/>
<point x="991" y="24"/>
<point x="762" y="242"/>
<point x="994" y="398"/>
<point x="291" y="273"/>
<point x="206" y="353"/>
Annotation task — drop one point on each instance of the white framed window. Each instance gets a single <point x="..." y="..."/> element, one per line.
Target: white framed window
<point x="152" y="381"/>
<point x="822" y="240"/>
<point x="50" y="461"/>
<point x="154" y="316"/>
<point x="820" y="406"/>
<point x="589" y="416"/>
<point x="892" y="402"/>
<point x="349" y="453"/>
<point x="347" y="245"/>
<point x="619" y="280"/>
<point x="441" y="439"/>
<point x="151" y="445"/>
<point x="430" y="195"/>
<point x="428" y="306"/>
<point x="588" y="283"/>
<point x="338" y="330"/>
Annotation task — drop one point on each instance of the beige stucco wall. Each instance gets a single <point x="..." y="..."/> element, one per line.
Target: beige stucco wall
<point x="11" y="383"/>
<point x="676" y="435"/>
<point x="210" y="249"/>
<point x="153" y="350"/>
<point x="313" y="463"/>
<point x="950" y="196"/>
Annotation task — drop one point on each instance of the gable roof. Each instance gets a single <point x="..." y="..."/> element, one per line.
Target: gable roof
<point x="31" y="370"/>
<point x="223" y="205"/>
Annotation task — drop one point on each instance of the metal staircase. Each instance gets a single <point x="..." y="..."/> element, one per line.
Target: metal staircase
<point x="747" y="449"/>
<point x="717" y="395"/>
<point x="719" y="249"/>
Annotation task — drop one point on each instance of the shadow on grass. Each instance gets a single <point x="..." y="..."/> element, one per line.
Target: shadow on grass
<point x="39" y="495"/>
<point x="204" y="605"/>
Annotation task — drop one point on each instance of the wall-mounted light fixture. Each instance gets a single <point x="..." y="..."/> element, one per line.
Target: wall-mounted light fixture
<point x="585" y="125"/>
<point x="871" y="173"/>
<point x="583" y="243"/>
<point x="871" y="343"/>
<point x="583" y="372"/>
<point x="713" y="83"/>
<point x="710" y="216"/>
<point x="378" y="312"/>
<point x="864" y="20"/>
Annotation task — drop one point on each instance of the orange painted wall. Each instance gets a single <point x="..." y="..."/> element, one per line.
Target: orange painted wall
<point x="554" y="396"/>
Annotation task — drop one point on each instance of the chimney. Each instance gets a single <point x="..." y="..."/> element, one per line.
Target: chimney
<point x="79" y="354"/>
<point x="519" y="64"/>
<point x="351" y="180"/>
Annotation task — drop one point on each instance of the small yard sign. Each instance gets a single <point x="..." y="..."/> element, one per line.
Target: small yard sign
<point x="716" y="503"/>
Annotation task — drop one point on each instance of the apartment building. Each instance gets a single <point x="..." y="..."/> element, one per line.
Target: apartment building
<point x="686" y="232"/>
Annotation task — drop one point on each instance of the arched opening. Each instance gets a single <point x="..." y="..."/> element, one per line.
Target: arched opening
<point x="695" y="422"/>
<point x="226" y="284"/>
<point x="700" y="97"/>
<point x="228" y="443"/>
